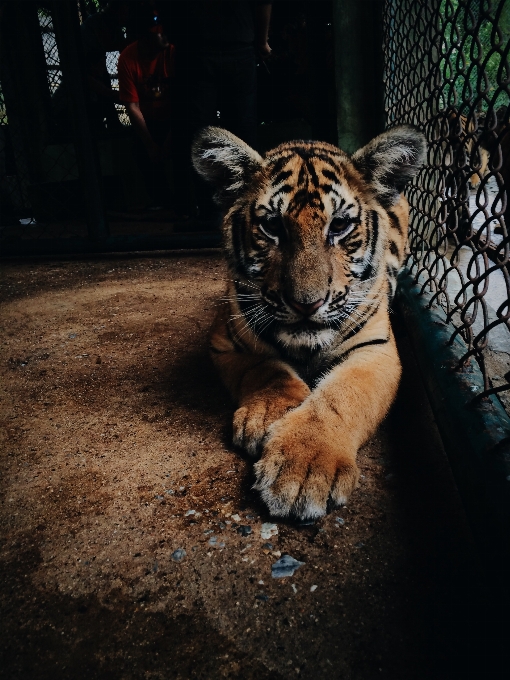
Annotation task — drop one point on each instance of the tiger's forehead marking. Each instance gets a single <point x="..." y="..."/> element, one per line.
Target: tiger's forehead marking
<point x="317" y="177"/>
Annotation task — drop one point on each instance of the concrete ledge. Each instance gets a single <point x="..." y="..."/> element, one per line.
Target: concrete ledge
<point x="476" y="436"/>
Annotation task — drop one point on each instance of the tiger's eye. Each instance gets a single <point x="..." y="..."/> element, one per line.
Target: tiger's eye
<point x="340" y="226"/>
<point x="272" y="226"/>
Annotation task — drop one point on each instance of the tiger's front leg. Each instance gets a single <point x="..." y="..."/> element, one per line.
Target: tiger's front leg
<point x="268" y="391"/>
<point x="309" y="455"/>
<point x="264" y="387"/>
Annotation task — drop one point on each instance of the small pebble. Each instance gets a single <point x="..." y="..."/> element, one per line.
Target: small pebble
<point x="178" y="555"/>
<point x="294" y="587"/>
<point x="189" y="512"/>
<point x="222" y="525"/>
<point x="244" y="530"/>
<point x="340" y="521"/>
<point x="160" y="498"/>
<point x="261" y="583"/>
<point x="213" y="540"/>
<point x="182" y="488"/>
<point x="170" y="492"/>
<point x="267" y="530"/>
<point x="313" y="589"/>
<point x="286" y="566"/>
<point x="208" y="531"/>
<point x="359" y="545"/>
<point x="250" y="516"/>
<point x="236" y="518"/>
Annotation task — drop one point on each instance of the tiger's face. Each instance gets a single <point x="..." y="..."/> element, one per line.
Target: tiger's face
<point x="311" y="243"/>
<point x="308" y="231"/>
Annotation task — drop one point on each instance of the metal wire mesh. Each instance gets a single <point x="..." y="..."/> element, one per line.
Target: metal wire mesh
<point x="447" y="71"/>
<point x="50" y="49"/>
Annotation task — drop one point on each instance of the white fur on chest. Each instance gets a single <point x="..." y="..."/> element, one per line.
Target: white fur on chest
<point x="306" y="339"/>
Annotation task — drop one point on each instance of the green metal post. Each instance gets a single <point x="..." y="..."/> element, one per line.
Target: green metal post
<point x="359" y="71"/>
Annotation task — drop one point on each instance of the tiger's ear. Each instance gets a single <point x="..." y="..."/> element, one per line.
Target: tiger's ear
<point x="390" y="160"/>
<point x="225" y="161"/>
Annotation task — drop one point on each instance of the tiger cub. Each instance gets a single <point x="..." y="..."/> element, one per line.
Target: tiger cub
<point x="314" y="241"/>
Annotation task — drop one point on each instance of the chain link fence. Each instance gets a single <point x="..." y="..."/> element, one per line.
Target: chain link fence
<point x="447" y="71"/>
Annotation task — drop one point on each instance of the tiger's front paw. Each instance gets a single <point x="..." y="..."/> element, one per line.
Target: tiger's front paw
<point x="301" y="469"/>
<point x="253" y="419"/>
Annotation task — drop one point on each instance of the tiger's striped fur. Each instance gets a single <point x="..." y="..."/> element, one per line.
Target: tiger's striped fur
<point x="314" y="241"/>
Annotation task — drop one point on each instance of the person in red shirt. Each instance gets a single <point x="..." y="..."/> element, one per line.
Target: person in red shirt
<point x="146" y="70"/>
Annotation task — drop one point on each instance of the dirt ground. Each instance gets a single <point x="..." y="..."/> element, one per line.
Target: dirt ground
<point x="115" y="426"/>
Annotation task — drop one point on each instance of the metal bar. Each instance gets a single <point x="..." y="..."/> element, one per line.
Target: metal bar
<point x="65" y="19"/>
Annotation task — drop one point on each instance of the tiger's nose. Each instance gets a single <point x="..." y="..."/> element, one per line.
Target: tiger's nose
<point x="306" y="309"/>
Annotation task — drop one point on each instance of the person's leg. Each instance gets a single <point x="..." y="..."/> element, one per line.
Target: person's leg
<point x="154" y="175"/>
